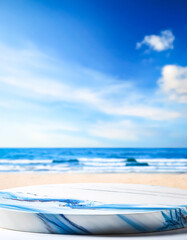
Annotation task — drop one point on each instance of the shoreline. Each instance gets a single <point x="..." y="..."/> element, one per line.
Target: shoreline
<point x="11" y="180"/>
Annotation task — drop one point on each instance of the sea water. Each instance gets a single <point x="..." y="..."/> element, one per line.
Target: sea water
<point x="95" y="160"/>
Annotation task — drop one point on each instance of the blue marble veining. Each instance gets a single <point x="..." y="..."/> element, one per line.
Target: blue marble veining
<point x="174" y="218"/>
<point x="61" y="224"/>
<point x="12" y="200"/>
<point x="93" y="208"/>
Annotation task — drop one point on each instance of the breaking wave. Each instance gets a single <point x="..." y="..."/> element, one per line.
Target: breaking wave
<point x="94" y="160"/>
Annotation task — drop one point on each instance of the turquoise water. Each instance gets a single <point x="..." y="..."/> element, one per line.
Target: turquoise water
<point x="104" y="160"/>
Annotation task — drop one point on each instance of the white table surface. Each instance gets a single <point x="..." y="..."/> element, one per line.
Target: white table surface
<point x="16" y="235"/>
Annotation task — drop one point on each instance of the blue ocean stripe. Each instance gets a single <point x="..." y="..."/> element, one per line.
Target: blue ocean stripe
<point x="94" y="160"/>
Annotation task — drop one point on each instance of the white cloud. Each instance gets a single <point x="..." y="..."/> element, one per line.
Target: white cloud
<point x="51" y="89"/>
<point x="143" y="111"/>
<point x="174" y="82"/>
<point x="43" y="139"/>
<point x="123" y="130"/>
<point x="46" y="126"/>
<point x="35" y="75"/>
<point x="4" y="104"/>
<point x="120" y="130"/>
<point x="159" y="43"/>
<point x="43" y="134"/>
<point x="104" y="101"/>
<point x="33" y="86"/>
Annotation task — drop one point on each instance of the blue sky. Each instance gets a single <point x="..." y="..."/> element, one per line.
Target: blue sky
<point x="97" y="73"/>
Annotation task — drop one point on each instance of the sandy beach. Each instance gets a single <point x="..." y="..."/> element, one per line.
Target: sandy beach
<point x="9" y="180"/>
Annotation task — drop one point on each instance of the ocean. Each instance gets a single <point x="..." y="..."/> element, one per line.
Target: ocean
<point x="94" y="160"/>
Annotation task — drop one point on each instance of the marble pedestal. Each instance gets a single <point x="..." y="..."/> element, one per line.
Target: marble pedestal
<point x="89" y="209"/>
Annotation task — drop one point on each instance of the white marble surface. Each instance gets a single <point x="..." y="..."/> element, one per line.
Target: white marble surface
<point x="93" y="208"/>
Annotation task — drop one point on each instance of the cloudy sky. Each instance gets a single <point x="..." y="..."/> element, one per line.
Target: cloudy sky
<point x="97" y="73"/>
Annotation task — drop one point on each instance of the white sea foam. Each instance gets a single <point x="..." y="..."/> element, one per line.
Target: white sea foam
<point x="101" y="165"/>
<point x="24" y="161"/>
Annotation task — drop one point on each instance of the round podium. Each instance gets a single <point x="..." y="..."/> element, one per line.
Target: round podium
<point x="90" y="209"/>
